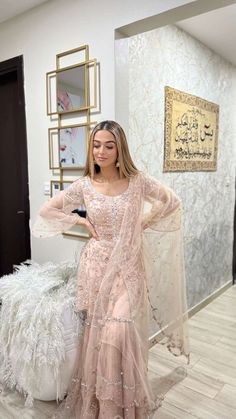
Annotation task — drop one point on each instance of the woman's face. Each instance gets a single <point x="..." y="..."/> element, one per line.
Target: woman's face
<point x="104" y="148"/>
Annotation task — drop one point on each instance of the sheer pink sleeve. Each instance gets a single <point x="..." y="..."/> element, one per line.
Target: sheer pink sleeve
<point x="55" y="216"/>
<point x="164" y="202"/>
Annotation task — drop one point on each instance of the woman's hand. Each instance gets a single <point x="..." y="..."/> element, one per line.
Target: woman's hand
<point x="86" y="223"/>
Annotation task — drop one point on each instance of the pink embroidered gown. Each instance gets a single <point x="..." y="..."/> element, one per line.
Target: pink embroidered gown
<point x="110" y="376"/>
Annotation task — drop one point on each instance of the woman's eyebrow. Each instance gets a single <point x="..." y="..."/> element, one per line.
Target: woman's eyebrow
<point x="109" y="141"/>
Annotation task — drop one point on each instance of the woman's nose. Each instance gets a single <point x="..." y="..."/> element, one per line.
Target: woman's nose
<point x="102" y="149"/>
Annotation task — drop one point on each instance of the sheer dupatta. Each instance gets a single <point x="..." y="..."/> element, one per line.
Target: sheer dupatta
<point x="163" y="256"/>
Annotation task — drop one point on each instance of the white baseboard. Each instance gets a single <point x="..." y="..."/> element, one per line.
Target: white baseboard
<point x="209" y="299"/>
<point x="154" y="339"/>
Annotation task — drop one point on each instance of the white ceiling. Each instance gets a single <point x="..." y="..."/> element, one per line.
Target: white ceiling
<point x="216" y="29"/>
<point x="12" y="8"/>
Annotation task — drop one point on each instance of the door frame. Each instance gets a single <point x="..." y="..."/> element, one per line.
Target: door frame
<point x="16" y="64"/>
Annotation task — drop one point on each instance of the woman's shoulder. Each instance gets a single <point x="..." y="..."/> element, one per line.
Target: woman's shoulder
<point x="139" y="175"/>
<point x="76" y="185"/>
<point x="81" y="180"/>
<point x="145" y="176"/>
<point x="143" y="180"/>
<point x="149" y="182"/>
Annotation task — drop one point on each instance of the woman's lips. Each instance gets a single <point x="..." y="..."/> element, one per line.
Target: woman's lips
<point x="101" y="158"/>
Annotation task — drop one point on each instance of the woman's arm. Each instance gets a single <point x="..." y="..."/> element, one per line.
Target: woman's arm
<point x="55" y="216"/>
<point x="163" y="200"/>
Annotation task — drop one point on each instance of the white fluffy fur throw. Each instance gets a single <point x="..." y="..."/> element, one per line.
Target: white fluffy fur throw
<point x="31" y="324"/>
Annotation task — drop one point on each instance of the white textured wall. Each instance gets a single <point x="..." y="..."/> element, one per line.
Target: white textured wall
<point x="145" y="64"/>
<point x="39" y="35"/>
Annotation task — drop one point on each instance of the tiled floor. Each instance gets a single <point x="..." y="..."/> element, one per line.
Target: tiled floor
<point x="209" y="389"/>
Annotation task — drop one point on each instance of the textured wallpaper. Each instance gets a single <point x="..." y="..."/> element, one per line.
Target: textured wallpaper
<point x="169" y="56"/>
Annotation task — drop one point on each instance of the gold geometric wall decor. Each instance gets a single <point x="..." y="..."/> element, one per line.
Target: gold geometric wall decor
<point x="69" y="89"/>
<point x="71" y="96"/>
<point x="191" y="132"/>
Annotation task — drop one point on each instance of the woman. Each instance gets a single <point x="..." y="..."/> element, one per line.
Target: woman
<point x="123" y="274"/>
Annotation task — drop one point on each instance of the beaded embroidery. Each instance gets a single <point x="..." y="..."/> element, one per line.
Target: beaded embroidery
<point x="119" y="319"/>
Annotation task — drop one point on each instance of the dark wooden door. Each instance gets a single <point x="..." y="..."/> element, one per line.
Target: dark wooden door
<point x="14" y="197"/>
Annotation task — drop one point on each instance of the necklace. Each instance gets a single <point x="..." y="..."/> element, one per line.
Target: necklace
<point x="102" y="179"/>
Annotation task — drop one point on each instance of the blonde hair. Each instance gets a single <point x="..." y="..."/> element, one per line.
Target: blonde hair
<point x="127" y="167"/>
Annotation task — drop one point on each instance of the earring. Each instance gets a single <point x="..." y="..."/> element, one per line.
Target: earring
<point x="117" y="164"/>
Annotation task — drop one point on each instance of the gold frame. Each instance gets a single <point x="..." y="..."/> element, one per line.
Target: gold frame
<point x="72" y="51"/>
<point x="197" y="112"/>
<point x="85" y="110"/>
<point x="88" y="126"/>
<point x="87" y="106"/>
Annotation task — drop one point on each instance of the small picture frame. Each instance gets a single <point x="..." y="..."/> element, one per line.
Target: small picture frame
<point x="68" y="146"/>
<point x="56" y="186"/>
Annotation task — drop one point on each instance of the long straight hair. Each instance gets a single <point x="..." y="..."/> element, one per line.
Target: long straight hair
<point x="127" y="167"/>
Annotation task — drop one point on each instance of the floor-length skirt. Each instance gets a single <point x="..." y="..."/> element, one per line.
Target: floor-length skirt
<point x="110" y="376"/>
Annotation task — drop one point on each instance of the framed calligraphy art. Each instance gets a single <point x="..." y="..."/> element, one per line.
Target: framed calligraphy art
<point x="191" y="132"/>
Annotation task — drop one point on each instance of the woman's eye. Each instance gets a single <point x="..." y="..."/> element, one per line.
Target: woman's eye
<point x="108" y="147"/>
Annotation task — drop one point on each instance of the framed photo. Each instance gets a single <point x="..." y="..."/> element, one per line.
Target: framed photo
<point x="191" y="132"/>
<point x="68" y="146"/>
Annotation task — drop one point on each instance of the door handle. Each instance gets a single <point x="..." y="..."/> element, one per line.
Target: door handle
<point x="20" y="212"/>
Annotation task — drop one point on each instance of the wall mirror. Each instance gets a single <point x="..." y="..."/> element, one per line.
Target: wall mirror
<point x="72" y="89"/>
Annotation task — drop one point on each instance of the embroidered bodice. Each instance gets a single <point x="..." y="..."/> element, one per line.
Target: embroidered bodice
<point x="103" y="211"/>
